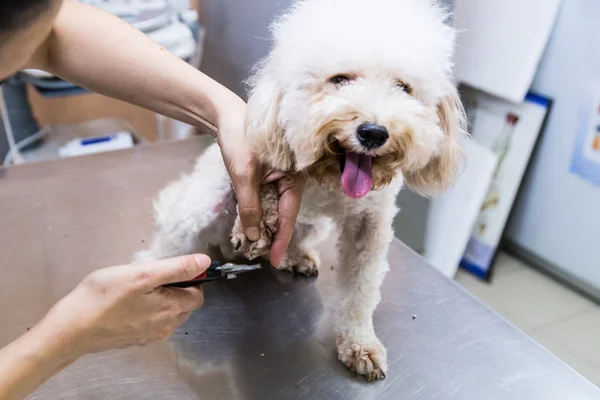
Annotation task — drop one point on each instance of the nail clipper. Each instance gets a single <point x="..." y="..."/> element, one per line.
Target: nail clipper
<point x="215" y="272"/>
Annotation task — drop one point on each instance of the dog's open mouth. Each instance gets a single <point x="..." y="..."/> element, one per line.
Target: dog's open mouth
<point x="357" y="172"/>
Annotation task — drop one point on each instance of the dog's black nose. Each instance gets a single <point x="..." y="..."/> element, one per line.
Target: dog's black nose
<point x="371" y="135"/>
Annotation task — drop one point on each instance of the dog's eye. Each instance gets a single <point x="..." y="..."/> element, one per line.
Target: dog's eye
<point x="340" y="79"/>
<point x="404" y="87"/>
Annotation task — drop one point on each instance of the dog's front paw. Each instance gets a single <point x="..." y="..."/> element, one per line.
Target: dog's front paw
<point x="368" y="359"/>
<point x="301" y="262"/>
<point x="268" y="227"/>
<point x="249" y="249"/>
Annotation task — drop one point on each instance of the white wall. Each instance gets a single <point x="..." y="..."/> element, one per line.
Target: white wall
<point x="557" y="217"/>
<point x="236" y="37"/>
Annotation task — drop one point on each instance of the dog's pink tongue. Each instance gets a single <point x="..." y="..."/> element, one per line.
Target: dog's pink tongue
<point x="357" y="178"/>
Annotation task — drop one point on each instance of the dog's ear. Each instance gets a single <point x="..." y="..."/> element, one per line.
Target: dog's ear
<point x="441" y="170"/>
<point x="263" y="128"/>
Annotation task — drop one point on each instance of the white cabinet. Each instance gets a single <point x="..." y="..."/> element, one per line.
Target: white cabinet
<point x="501" y="42"/>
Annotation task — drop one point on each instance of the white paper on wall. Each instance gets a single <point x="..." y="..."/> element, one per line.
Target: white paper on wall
<point x="452" y="215"/>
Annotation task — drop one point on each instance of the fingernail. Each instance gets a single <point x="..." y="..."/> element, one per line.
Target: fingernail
<point x="253" y="234"/>
<point x="202" y="261"/>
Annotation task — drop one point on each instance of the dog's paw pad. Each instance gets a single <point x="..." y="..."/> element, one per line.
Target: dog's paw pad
<point x="366" y="360"/>
<point x="303" y="264"/>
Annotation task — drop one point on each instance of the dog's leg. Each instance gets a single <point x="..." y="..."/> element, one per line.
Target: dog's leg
<point x="301" y="257"/>
<point x="194" y="214"/>
<point x="363" y="246"/>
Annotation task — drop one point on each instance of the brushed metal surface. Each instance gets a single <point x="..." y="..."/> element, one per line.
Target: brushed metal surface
<point x="255" y="338"/>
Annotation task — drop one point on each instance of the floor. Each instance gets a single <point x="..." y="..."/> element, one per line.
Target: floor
<point x="564" y="322"/>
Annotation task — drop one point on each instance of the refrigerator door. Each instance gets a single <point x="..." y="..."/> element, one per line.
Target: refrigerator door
<point x="557" y="216"/>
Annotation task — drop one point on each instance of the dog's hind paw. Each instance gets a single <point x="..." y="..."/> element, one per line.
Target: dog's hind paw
<point x="368" y="360"/>
<point x="143" y="256"/>
<point x="301" y="262"/>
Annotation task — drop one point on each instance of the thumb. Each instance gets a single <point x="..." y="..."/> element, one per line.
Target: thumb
<point x="247" y="190"/>
<point x="172" y="270"/>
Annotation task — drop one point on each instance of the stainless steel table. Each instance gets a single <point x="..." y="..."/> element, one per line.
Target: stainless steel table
<point x="255" y="337"/>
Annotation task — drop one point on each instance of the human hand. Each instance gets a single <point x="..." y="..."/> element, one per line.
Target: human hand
<point x="241" y="163"/>
<point x="247" y="175"/>
<point x="126" y="305"/>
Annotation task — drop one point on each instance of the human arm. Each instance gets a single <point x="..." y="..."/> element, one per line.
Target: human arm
<point x="114" y="307"/>
<point x="100" y="52"/>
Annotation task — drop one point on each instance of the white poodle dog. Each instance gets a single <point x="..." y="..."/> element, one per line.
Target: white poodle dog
<point x="359" y="96"/>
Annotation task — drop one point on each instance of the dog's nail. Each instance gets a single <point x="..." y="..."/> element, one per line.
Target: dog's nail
<point x="253" y="234"/>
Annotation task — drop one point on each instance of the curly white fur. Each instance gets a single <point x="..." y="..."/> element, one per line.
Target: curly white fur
<point x="395" y="62"/>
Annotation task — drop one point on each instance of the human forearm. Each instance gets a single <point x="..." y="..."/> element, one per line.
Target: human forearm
<point x="36" y="356"/>
<point x="102" y="53"/>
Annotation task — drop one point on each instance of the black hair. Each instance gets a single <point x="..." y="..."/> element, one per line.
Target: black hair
<point x="16" y="14"/>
